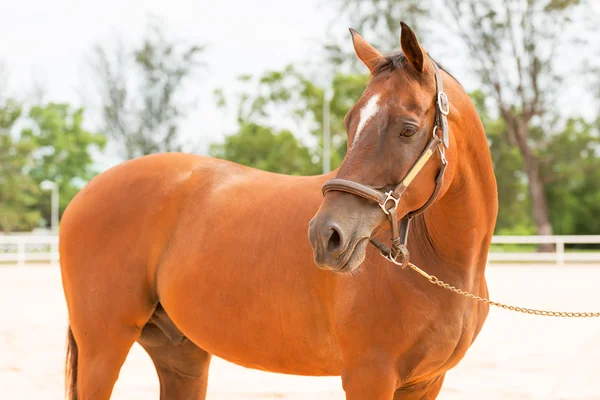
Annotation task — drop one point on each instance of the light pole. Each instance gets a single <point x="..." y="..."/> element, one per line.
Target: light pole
<point x="49" y="185"/>
<point x="327" y="96"/>
<point x="53" y="186"/>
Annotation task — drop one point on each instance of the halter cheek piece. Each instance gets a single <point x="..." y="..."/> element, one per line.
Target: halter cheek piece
<point x="398" y="252"/>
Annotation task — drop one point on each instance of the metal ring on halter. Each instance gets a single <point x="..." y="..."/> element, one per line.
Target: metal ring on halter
<point x="403" y="252"/>
<point x="392" y="260"/>
<point x="387" y="198"/>
<point x="434" y="133"/>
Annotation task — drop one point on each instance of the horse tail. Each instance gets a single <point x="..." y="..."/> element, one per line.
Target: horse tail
<point x="71" y="367"/>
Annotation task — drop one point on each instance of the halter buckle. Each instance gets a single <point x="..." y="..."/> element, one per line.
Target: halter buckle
<point x="389" y="196"/>
<point x="443" y="103"/>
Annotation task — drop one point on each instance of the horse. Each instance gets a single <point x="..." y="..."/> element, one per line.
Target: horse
<point x="192" y="256"/>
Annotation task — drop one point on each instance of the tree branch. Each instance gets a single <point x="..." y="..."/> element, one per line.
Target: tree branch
<point x="517" y="57"/>
<point x="463" y="32"/>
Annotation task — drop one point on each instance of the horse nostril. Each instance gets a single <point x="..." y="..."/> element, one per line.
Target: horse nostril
<point x="334" y="240"/>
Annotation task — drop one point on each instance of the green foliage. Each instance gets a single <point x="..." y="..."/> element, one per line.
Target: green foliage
<point x="140" y="92"/>
<point x="54" y="146"/>
<point x="292" y="94"/>
<point x="18" y="191"/>
<point x="560" y="5"/>
<point x="572" y="178"/>
<point x="61" y="151"/>
<point x="260" y="147"/>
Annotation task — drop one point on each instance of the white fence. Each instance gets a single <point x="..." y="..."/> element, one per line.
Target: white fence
<point x="560" y="256"/>
<point x="22" y="249"/>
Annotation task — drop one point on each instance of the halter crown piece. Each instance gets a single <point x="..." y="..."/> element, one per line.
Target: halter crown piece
<point x="398" y="252"/>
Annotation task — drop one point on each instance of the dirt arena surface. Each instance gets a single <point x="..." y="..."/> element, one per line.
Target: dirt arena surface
<point x="515" y="357"/>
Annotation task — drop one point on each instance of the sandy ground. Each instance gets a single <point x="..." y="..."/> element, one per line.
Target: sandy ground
<point x="515" y="357"/>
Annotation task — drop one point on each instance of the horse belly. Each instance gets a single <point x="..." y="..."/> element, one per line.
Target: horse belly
<point x="265" y="315"/>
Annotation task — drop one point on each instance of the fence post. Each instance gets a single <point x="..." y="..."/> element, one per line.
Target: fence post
<point x="21" y="252"/>
<point x="560" y="252"/>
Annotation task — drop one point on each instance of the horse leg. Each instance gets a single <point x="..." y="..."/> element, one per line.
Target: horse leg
<point x="426" y="391"/>
<point x="107" y="311"/>
<point x="100" y="354"/>
<point x="370" y="379"/>
<point x="182" y="367"/>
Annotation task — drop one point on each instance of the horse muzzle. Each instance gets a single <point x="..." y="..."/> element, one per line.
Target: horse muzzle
<point x="339" y="239"/>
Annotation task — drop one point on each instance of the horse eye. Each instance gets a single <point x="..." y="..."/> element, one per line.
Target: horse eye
<point x="408" y="131"/>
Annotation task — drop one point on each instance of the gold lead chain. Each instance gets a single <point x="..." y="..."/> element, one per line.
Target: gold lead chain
<point x="566" y="314"/>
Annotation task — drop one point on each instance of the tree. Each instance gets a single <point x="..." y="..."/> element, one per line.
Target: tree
<point x="571" y="174"/>
<point x="18" y="191"/>
<point x="140" y="92"/>
<point x="295" y="98"/>
<point x="61" y="151"/>
<point x="260" y="147"/>
<point x="512" y="47"/>
<point x="513" y="214"/>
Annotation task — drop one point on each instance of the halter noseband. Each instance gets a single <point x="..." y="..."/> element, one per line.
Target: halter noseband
<point x="398" y="252"/>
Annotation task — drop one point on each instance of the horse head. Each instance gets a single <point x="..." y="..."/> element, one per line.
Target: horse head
<point x="401" y="136"/>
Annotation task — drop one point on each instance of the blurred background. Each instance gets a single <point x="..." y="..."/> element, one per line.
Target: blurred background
<point x="267" y="83"/>
<point x="84" y="86"/>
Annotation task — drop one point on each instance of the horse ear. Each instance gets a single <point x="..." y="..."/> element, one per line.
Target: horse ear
<point x="365" y="52"/>
<point x="411" y="48"/>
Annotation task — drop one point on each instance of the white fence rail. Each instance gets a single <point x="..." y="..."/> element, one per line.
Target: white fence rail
<point x="560" y="256"/>
<point x="22" y="249"/>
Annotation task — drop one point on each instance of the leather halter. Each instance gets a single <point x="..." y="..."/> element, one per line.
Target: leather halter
<point x="398" y="252"/>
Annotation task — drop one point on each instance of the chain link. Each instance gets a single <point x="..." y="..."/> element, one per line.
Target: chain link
<point x="565" y="314"/>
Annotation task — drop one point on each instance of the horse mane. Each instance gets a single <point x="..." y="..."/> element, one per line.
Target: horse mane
<point x="397" y="61"/>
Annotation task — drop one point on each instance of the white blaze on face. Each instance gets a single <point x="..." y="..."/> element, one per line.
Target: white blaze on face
<point x="367" y="112"/>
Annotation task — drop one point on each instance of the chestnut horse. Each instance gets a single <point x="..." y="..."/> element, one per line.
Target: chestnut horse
<point x="192" y="256"/>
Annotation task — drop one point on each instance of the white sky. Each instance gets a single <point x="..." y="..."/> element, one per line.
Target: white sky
<point x="45" y="42"/>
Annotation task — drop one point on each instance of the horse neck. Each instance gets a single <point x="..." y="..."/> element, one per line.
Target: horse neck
<point x="458" y="228"/>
